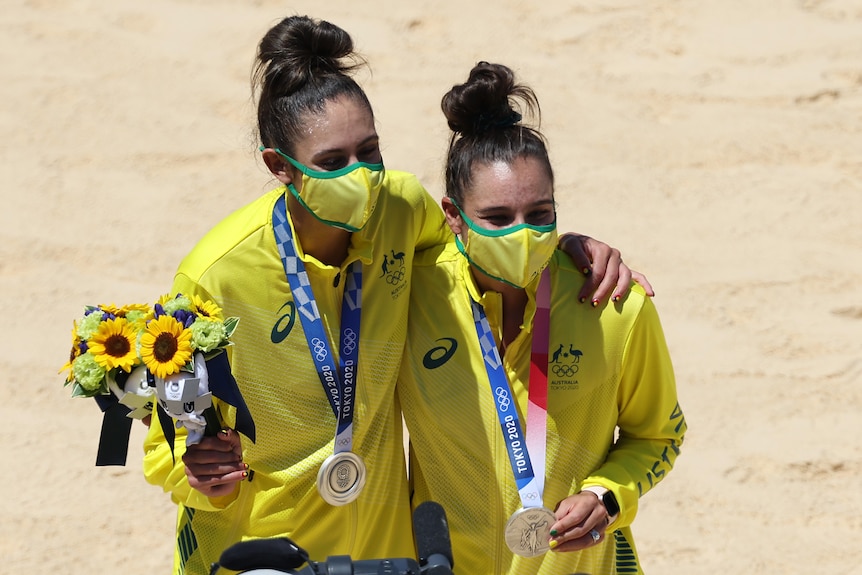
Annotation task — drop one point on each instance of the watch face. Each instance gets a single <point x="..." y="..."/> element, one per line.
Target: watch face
<point x="610" y="502"/>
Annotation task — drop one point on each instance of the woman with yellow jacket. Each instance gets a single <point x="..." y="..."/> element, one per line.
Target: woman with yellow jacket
<point x="537" y="423"/>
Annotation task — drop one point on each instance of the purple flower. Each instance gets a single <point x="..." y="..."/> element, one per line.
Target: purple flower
<point x="186" y="318"/>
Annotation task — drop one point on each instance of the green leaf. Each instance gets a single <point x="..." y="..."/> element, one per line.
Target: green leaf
<point x="78" y="391"/>
<point x="230" y="325"/>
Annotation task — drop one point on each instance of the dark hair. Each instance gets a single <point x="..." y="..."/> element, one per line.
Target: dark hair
<point x="484" y="115"/>
<point x="301" y="65"/>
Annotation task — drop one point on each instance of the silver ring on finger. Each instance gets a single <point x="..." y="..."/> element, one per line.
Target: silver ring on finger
<point x="595" y="535"/>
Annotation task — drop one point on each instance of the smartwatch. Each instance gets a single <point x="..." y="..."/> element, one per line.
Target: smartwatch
<point x="608" y="499"/>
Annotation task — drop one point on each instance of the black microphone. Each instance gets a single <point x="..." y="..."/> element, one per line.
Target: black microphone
<point x="431" y="531"/>
<point x="279" y="553"/>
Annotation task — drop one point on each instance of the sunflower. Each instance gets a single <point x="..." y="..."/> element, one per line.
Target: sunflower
<point x="165" y="346"/>
<point x="206" y="308"/>
<point x="164" y="298"/>
<point x="113" y="345"/>
<point x="134" y="310"/>
<point x="73" y="354"/>
<point x="110" y="309"/>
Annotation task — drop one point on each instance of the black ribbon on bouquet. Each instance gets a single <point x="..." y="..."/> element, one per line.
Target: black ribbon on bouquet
<point x="116" y="429"/>
<point x="116" y="426"/>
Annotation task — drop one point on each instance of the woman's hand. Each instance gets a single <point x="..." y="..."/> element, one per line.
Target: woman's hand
<point x="603" y="265"/>
<point x="214" y="466"/>
<point x="581" y="523"/>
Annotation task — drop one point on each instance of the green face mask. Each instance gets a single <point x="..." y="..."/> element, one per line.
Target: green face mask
<point x="514" y="255"/>
<point x="343" y="198"/>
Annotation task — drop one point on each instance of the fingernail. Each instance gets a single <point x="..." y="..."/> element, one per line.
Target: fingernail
<point x="586" y="271"/>
<point x="554" y="532"/>
<point x="583" y="299"/>
<point x="553" y="543"/>
<point x="616" y="298"/>
<point x="595" y="303"/>
<point x="246" y="466"/>
<point x="244" y="474"/>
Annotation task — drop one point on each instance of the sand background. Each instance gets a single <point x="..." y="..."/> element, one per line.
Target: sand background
<point x="718" y="144"/>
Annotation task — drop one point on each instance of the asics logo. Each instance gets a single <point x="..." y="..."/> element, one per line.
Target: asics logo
<point x="440" y="354"/>
<point x="283" y="324"/>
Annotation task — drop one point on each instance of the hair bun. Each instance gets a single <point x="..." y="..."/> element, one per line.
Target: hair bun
<point x="486" y="101"/>
<point x="300" y="49"/>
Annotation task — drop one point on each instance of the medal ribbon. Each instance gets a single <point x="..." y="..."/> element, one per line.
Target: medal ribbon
<point x="537" y="399"/>
<point x="530" y="485"/>
<point x="339" y="385"/>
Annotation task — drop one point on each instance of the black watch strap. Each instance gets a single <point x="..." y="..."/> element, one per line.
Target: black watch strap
<point x="608" y="499"/>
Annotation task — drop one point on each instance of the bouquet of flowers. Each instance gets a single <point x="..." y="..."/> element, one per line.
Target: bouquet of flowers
<point x="137" y="351"/>
<point x="104" y="343"/>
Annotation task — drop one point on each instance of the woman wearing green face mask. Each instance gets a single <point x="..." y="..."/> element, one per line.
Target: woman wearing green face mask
<point x="319" y="272"/>
<point x="514" y="394"/>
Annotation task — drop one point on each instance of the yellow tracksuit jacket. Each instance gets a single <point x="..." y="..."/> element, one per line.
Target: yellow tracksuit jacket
<point x="613" y="416"/>
<point x="237" y="265"/>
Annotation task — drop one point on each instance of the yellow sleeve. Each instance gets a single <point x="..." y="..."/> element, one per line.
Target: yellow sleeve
<point x="168" y="472"/>
<point x="165" y="469"/>
<point x="431" y="226"/>
<point x="651" y="423"/>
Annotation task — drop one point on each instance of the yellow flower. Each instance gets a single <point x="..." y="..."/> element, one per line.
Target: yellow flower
<point x="75" y="352"/>
<point x="206" y="308"/>
<point x="110" y="308"/>
<point x="136" y="307"/>
<point x="113" y="345"/>
<point x="164" y="298"/>
<point x="166" y="346"/>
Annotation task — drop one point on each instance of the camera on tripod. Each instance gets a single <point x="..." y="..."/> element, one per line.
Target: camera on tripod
<point x="280" y="556"/>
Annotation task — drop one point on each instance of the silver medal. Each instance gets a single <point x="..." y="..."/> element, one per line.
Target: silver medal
<point x="341" y="478"/>
<point x="528" y="531"/>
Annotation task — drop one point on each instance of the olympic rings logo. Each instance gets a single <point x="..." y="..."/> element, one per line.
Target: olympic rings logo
<point x="395" y="277"/>
<point x="348" y="341"/>
<point x="318" y="347"/>
<point x="563" y="370"/>
<point x="532" y="495"/>
<point x="503" y="399"/>
<point x="344" y="441"/>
